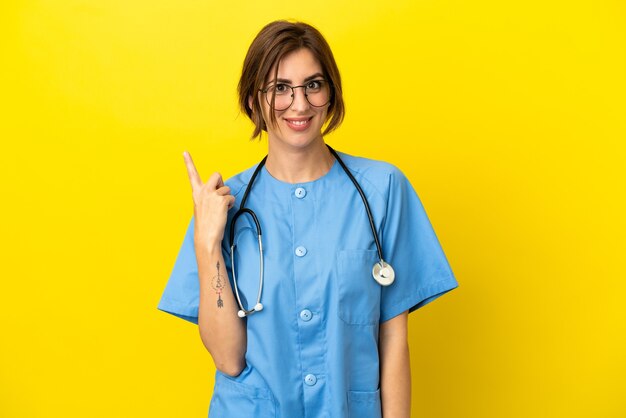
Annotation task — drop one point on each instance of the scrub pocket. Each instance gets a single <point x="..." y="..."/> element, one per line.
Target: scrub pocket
<point x="359" y="294"/>
<point x="232" y="398"/>
<point x="364" y="404"/>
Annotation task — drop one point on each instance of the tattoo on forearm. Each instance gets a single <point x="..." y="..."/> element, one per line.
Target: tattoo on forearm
<point x="218" y="285"/>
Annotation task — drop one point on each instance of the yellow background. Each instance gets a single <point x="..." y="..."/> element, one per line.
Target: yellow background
<point x="508" y="117"/>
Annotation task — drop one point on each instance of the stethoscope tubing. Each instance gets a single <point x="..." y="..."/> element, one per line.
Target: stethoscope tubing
<point x="365" y="203"/>
<point x="382" y="271"/>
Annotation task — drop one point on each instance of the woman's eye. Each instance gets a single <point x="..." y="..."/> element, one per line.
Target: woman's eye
<point x="281" y="88"/>
<point x="314" y="85"/>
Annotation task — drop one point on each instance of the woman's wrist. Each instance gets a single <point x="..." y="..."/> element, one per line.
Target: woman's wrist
<point x="208" y="246"/>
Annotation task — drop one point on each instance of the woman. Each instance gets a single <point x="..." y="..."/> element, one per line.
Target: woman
<point x="323" y="339"/>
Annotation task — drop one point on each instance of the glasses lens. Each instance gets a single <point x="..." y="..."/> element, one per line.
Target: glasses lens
<point x="318" y="93"/>
<point x="282" y="95"/>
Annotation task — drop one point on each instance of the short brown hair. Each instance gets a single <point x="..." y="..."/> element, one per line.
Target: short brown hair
<point x="272" y="43"/>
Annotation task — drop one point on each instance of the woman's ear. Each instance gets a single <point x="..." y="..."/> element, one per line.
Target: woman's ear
<point x="250" y="101"/>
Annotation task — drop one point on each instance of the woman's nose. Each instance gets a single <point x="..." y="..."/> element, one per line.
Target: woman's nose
<point x="300" y="101"/>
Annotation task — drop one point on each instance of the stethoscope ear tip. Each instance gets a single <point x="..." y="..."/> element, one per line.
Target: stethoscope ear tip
<point x="242" y="314"/>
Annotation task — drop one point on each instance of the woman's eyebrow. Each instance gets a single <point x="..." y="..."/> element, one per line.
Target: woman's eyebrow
<point x="311" y="77"/>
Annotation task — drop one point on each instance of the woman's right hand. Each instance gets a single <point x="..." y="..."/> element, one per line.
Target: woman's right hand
<point x="211" y="203"/>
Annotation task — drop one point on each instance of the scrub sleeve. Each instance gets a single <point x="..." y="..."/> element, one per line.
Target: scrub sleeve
<point x="408" y="239"/>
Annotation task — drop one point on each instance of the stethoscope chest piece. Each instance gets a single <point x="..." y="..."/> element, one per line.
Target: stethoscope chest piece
<point x="383" y="273"/>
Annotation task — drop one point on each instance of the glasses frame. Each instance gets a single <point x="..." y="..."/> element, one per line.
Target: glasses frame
<point x="293" y="94"/>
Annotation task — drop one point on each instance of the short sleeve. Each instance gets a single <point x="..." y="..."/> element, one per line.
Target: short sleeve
<point x="182" y="292"/>
<point x="411" y="246"/>
<point x="181" y="296"/>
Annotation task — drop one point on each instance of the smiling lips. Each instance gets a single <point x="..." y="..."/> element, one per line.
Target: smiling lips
<point x="298" y="124"/>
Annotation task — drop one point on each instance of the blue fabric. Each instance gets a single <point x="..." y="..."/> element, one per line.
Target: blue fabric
<point x="337" y="341"/>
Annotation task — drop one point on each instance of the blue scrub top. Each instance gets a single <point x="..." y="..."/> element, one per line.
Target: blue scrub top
<point x="313" y="350"/>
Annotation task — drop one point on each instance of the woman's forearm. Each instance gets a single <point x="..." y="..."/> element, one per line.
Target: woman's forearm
<point x="395" y="368"/>
<point x="222" y="332"/>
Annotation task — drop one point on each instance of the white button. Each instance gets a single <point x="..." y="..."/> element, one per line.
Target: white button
<point x="300" y="192"/>
<point x="310" y="379"/>
<point x="306" y="315"/>
<point x="301" y="251"/>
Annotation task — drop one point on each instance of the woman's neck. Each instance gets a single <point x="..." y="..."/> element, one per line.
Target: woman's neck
<point x="298" y="165"/>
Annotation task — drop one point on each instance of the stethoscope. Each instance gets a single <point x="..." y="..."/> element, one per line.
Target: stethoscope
<point x="381" y="271"/>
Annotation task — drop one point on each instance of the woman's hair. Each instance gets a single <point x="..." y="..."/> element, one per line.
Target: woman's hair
<point x="273" y="43"/>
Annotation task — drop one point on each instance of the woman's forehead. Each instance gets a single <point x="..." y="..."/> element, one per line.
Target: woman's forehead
<point x="297" y="66"/>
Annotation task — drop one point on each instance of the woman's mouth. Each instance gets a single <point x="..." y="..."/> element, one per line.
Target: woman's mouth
<point x="298" y="124"/>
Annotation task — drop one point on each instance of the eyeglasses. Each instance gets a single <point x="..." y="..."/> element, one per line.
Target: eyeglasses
<point x="317" y="93"/>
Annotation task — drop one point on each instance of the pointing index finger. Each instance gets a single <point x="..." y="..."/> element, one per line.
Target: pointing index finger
<point x="194" y="177"/>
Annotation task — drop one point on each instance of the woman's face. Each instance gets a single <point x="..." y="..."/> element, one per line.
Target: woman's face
<point x="300" y="125"/>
